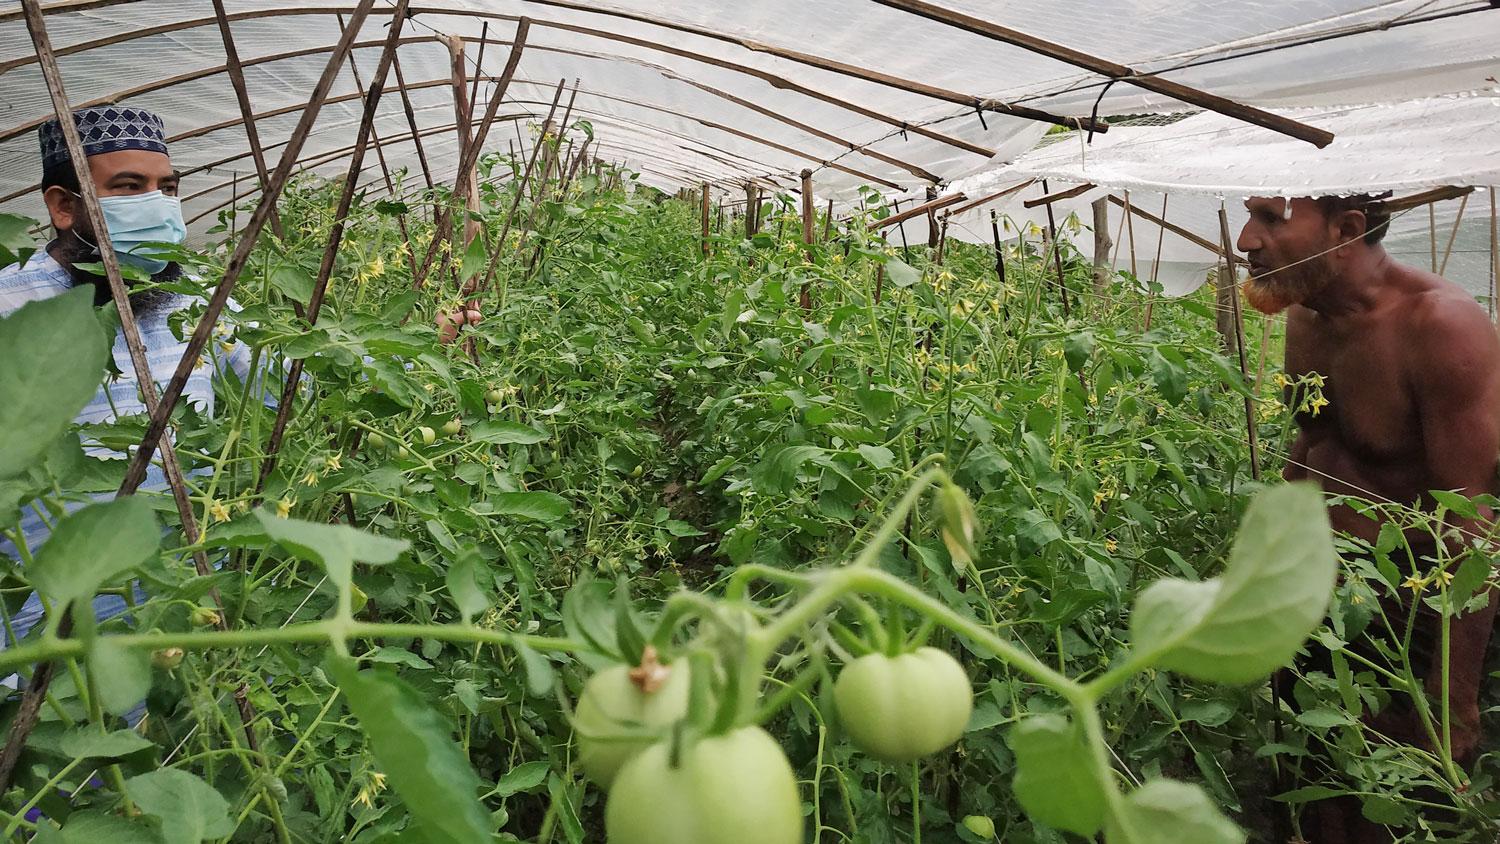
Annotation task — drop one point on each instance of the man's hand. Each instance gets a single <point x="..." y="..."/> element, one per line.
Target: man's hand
<point x="449" y="323"/>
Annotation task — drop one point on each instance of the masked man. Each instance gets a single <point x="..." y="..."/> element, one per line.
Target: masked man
<point x="127" y="160"/>
<point x="1410" y="402"/>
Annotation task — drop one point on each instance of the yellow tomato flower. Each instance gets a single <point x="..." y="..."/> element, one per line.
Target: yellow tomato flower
<point x="284" y="507"/>
<point x="310" y="479"/>
<point x="333" y="463"/>
<point x="218" y="511"/>
<point x="1414" y="583"/>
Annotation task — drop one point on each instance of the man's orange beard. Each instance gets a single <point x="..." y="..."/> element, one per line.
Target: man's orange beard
<point x="1274" y="292"/>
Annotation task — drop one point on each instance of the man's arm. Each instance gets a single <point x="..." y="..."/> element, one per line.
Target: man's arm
<point x="1457" y="383"/>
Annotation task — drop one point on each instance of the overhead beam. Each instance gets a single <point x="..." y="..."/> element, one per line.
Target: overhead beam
<point x="1213" y="102"/>
<point x="1050" y="198"/>
<point x="915" y="210"/>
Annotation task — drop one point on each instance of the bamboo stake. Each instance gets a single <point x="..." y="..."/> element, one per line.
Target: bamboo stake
<point x="807" y="234"/>
<point x="921" y="208"/>
<point x="751" y="192"/>
<point x="1432" y="231"/>
<point x="465" y="182"/>
<point x="385" y="171"/>
<point x="137" y="470"/>
<point x="999" y="264"/>
<point x="1494" y="250"/>
<point x="932" y="229"/>
<point x="1102" y="245"/>
<point x="335" y="238"/>
<point x="1062" y="283"/>
<point x="515" y="202"/>
<point x="703" y="208"/>
<point x="411" y="121"/>
<point x="1161" y="236"/>
<point x="1130" y="236"/>
<point x="471" y="153"/>
<point x="242" y="95"/>
<point x="1239" y="341"/>
<point x="828" y="220"/>
<point x="1453" y="235"/>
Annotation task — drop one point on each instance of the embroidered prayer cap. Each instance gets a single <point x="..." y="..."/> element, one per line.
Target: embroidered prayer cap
<point x="104" y="129"/>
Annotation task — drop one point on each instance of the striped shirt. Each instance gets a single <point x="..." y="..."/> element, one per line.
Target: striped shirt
<point x="42" y="277"/>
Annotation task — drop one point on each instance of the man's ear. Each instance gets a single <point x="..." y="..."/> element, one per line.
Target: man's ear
<point x="1352" y="226"/>
<point x="62" y="207"/>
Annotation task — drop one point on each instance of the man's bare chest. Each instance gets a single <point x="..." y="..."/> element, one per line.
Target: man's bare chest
<point x="1364" y="401"/>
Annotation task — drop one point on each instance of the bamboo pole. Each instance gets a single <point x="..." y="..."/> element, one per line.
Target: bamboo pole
<point x="1239" y="337"/>
<point x="921" y="208"/>
<point x="1002" y="292"/>
<point x="411" y="122"/>
<point x="242" y="96"/>
<point x="335" y="238"/>
<point x="932" y="228"/>
<point x="515" y="202"/>
<point x="1453" y="235"/>
<point x="1059" y="196"/>
<point x="752" y="207"/>
<point x="1161" y="236"/>
<point x="1494" y="250"/>
<point x="1062" y="282"/>
<point x="471" y="153"/>
<point x="807" y="234"/>
<point x="237" y="260"/>
<point x="828" y="220"/>
<point x="1102" y="245"/>
<point x="1240" y="111"/>
<point x="703" y="208"/>
<point x="465" y="182"/>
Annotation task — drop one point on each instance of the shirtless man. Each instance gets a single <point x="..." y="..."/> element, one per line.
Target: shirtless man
<point x="1411" y="368"/>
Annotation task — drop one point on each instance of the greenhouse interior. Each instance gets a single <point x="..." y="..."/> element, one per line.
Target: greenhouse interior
<point x="839" y="422"/>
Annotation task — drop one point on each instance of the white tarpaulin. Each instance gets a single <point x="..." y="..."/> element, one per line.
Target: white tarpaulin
<point x="716" y="91"/>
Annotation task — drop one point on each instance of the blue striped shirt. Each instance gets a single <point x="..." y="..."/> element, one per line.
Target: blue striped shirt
<point x="42" y="277"/>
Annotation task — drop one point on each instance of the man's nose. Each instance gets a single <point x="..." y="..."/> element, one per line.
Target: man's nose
<point x="1248" y="240"/>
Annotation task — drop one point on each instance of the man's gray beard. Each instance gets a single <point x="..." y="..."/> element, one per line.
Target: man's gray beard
<point x="71" y="250"/>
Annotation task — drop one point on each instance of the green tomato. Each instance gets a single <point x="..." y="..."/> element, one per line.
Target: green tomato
<point x="375" y="440"/>
<point x="494" y="397"/>
<point x="980" y="826"/>
<point x="735" y="788"/>
<point x="613" y="713"/>
<point x="428" y="435"/>
<point x="905" y="707"/>
<point x="453" y="426"/>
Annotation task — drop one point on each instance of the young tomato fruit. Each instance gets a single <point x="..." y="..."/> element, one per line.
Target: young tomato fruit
<point x="453" y="426"/>
<point x="428" y="435"/>
<point x="494" y="397"/>
<point x="904" y="707"/>
<point x="735" y="788"/>
<point x="619" y="708"/>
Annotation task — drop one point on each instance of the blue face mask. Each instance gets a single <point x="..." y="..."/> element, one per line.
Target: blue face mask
<point x="142" y="218"/>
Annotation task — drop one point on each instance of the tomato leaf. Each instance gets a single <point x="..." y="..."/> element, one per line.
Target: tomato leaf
<point x="414" y="746"/>
<point x="123" y="675"/>
<point x="188" y="808"/>
<point x="93" y="546"/>
<point x="54" y="354"/>
<point x="93" y="743"/>
<point x="1246" y="623"/>
<point x="1055" y="781"/>
<point x="545" y="507"/>
<point x="463" y="584"/>
<point x="336" y="547"/>
<point x="504" y="433"/>
<point x="1166" y="810"/>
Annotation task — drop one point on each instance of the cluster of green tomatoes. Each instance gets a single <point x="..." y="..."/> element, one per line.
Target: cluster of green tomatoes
<point x="737" y="787"/>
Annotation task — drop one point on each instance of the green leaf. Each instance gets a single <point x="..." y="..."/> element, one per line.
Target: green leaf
<point x="1471" y="575"/>
<point x="54" y="355"/>
<point x="188" y="808"/>
<point x="475" y="259"/>
<point x="1078" y="348"/>
<point x="521" y="778"/>
<point x="1170" y="812"/>
<point x="878" y="456"/>
<point x="463" y="584"/>
<point x="337" y="547"/>
<point x="1170" y="376"/>
<point x="293" y="281"/>
<point x="16" y="242"/>
<point x="505" y="433"/>
<point x="540" y="506"/>
<point x="902" y="274"/>
<point x="776" y="472"/>
<point x="123" y="675"/>
<point x="539" y="672"/>
<point x="1055" y="780"/>
<point x="92" y="827"/>
<point x="627" y="632"/>
<point x="93" y="546"/>
<point x="94" y="743"/>
<point x="1309" y="794"/>
<point x="1246" y="623"/>
<point x="414" y="747"/>
<point x="1459" y="505"/>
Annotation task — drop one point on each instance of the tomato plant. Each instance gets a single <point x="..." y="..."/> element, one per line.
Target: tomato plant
<point x="901" y="708"/>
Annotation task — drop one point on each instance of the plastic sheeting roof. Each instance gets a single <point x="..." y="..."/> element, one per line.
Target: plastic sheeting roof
<point x="671" y="99"/>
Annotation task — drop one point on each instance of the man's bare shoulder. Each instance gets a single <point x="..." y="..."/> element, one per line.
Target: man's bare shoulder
<point x="1449" y="332"/>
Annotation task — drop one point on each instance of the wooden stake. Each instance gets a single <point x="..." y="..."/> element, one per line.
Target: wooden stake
<point x="1102" y="245"/>
<point x="335" y="238"/>
<point x="828" y="220"/>
<point x="1003" y="293"/>
<point x="465" y="181"/>
<point x="242" y="95"/>
<point x="1161" y="236"/>
<point x="1494" y="250"/>
<point x="752" y="202"/>
<point x="1062" y="282"/>
<point x="471" y="152"/>
<point x="932" y="228"/>
<point x="1453" y="235"/>
<point x="411" y="121"/>
<point x="703" y="206"/>
<point x="807" y="233"/>
<point x="501" y="246"/>
<point x="237" y="260"/>
<point x="1239" y="340"/>
<point x="922" y="208"/>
